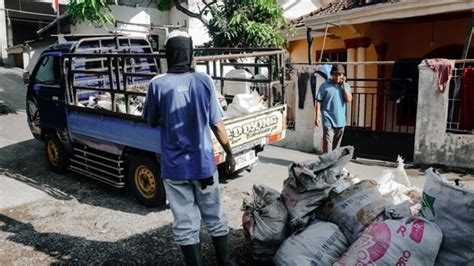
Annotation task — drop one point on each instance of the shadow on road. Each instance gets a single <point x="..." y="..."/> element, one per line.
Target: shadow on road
<point x="270" y="160"/>
<point x="26" y="162"/>
<point x="154" y="247"/>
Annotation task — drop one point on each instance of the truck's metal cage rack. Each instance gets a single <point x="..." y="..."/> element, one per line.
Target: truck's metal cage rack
<point x="115" y="64"/>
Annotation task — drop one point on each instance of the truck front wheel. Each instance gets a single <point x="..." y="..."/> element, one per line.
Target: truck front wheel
<point x="57" y="156"/>
<point x="145" y="182"/>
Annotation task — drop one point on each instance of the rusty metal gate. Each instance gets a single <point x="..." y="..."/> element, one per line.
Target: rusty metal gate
<point x="381" y="121"/>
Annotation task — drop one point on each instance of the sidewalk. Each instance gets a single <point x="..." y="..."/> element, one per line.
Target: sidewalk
<point x="16" y="190"/>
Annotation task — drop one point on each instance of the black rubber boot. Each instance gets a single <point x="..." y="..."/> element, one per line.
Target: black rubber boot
<point x="192" y="255"/>
<point x="221" y="245"/>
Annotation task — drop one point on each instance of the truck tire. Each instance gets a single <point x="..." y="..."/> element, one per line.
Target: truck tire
<point x="145" y="182"/>
<point x="55" y="153"/>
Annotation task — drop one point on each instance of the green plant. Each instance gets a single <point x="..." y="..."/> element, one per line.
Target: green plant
<point x="97" y="12"/>
<point x="233" y="23"/>
<point x="246" y="23"/>
<point x="164" y="5"/>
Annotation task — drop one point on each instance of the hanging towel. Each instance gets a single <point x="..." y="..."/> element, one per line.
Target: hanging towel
<point x="443" y="69"/>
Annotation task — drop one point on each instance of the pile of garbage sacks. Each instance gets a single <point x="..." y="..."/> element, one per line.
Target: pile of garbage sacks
<point x="104" y="102"/>
<point x="324" y="216"/>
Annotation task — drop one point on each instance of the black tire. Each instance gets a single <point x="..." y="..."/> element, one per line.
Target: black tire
<point x="56" y="155"/>
<point x="145" y="182"/>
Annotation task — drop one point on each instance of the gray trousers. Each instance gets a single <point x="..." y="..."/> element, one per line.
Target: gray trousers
<point x="189" y="203"/>
<point x="332" y="137"/>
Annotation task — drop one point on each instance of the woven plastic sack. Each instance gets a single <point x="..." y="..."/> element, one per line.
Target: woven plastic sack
<point x="410" y="241"/>
<point x="265" y="221"/>
<point x="321" y="243"/>
<point x="356" y="208"/>
<point x="452" y="208"/>
<point x="310" y="182"/>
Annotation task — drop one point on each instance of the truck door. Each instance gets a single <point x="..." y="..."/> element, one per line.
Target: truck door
<point x="50" y="94"/>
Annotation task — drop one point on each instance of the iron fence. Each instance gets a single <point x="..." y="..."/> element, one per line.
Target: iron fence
<point x="454" y="123"/>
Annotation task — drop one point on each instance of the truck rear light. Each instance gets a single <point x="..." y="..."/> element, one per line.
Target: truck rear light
<point x="217" y="158"/>
<point x="274" y="138"/>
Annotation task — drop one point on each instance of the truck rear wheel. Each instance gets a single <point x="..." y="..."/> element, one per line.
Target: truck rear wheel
<point x="57" y="156"/>
<point x="145" y="182"/>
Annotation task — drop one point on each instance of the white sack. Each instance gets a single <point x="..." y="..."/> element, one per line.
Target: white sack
<point x="452" y="209"/>
<point x="395" y="242"/>
<point x="321" y="243"/>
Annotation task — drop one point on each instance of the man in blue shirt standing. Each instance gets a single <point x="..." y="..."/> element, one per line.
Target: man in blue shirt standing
<point x="331" y="101"/>
<point x="184" y="103"/>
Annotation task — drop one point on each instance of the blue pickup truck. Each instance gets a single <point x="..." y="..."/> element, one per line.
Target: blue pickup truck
<point x="84" y="101"/>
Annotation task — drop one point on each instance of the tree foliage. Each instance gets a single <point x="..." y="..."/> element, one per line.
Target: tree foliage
<point x="233" y="23"/>
<point x="97" y="12"/>
<point x="246" y="23"/>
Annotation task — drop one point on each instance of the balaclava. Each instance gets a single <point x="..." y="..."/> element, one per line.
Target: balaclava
<point x="179" y="52"/>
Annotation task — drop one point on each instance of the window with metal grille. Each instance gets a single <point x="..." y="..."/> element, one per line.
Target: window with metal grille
<point x="336" y="55"/>
<point x="461" y="102"/>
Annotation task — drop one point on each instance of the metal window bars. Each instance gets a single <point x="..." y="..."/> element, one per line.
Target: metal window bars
<point x="453" y="123"/>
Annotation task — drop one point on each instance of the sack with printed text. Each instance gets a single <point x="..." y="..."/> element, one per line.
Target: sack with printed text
<point x="321" y="243"/>
<point x="356" y="208"/>
<point x="410" y="241"/>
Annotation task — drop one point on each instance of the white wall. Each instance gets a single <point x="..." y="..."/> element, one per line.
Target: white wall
<point x="194" y="27"/>
<point x="3" y="33"/>
<point x="141" y="15"/>
<point x="433" y="145"/>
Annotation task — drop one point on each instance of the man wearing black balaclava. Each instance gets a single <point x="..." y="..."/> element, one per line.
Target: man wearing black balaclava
<point x="184" y="103"/>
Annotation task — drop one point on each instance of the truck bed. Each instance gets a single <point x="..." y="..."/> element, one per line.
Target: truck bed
<point x="244" y="131"/>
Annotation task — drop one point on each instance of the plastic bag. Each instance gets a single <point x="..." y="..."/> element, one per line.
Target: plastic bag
<point x="395" y="242"/>
<point x="310" y="182"/>
<point x="452" y="209"/>
<point x="395" y="187"/>
<point x="265" y="221"/>
<point x="321" y="243"/>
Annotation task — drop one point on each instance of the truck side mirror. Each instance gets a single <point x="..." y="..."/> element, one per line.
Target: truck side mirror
<point x="26" y="78"/>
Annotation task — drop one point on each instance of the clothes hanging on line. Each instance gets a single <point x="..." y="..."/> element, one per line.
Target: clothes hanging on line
<point x="443" y="69"/>
<point x="303" y="77"/>
<point x="302" y="87"/>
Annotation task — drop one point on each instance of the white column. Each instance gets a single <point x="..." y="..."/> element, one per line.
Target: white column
<point x="3" y="33"/>
<point x="350" y="69"/>
<point x="361" y="52"/>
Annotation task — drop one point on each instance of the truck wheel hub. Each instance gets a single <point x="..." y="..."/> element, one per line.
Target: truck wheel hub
<point x="145" y="181"/>
<point x="53" y="153"/>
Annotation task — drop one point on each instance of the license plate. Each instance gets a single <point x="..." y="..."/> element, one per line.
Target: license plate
<point x="245" y="160"/>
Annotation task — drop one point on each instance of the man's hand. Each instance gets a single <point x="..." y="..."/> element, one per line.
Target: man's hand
<point x="221" y="135"/>
<point x="317" y="121"/>
<point x="229" y="163"/>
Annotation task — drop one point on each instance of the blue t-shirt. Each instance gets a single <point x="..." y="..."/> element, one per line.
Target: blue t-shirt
<point x="185" y="105"/>
<point x="333" y="106"/>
